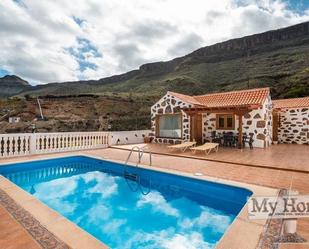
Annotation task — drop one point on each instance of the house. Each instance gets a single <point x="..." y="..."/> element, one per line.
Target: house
<point x="177" y="117"/>
<point x="13" y="120"/>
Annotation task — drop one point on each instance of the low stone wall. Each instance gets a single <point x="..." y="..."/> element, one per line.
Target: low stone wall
<point x="128" y="137"/>
<point x="294" y="126"/>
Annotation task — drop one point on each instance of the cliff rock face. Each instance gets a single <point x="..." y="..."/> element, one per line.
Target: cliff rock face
<point x="268" y="41"/>
<point x="11" y="85"/>
<point x="296" y="35"/>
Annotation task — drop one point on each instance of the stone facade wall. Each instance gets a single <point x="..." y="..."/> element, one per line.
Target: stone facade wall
<point x="257" y="123"/>
<point x="209" y="125"/>
<point x="269" y="114"/>
<point x="294" y="126"/>
<point x="169" y="104"/>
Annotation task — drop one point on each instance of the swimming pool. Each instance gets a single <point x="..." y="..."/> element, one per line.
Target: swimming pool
<point x="129" y="207"/>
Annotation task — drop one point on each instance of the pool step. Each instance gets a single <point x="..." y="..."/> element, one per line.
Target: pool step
<point x="131" y="176"/>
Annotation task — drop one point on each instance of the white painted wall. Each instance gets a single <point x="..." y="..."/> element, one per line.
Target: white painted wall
<point x="128" y="137"/>
<point x="13" y="120"/>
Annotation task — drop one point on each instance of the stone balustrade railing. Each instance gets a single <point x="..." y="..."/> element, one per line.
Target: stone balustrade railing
<point x="37" y="143"/>
<point x="22" y="144"/>
<point x="15" y="144"/>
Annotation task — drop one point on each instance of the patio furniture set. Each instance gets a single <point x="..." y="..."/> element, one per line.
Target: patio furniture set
<point x="230" y="139"/>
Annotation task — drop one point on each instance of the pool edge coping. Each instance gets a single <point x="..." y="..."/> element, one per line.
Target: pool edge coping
<point x="56" y="226"/>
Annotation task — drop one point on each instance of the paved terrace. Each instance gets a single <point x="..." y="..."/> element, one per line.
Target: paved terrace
<point x="279" y="176"/>
<point x="283" y="156"/>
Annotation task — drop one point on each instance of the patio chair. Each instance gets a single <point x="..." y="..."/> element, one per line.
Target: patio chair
<point x="207" y="147"/>
<point x="183" y="146"/>
<point x="215" y="138"/>
<point x="213" y="135"/>
<point x="250" y="141"/>
<point x="229" y="139"/>
<point x="247" y="139"/>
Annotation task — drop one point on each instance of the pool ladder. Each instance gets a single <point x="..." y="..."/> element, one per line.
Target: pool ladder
<point x="140" y="151"/>
<point x="135" y="177"/>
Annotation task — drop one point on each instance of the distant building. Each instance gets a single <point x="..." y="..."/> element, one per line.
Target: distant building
<point x="13" y="120"/>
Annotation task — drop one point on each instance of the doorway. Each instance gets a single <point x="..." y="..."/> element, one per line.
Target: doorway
<point x="275" y="126"/>
<point x="197" y="128"/>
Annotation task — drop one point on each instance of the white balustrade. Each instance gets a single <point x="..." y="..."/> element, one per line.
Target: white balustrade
<point x="37" y="143"/>
<point x="14" y="144"/>
<point x="21" y="144"/>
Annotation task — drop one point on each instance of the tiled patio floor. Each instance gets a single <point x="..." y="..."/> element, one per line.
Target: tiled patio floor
<point x="13" y="235"/>
<point x="285" y="156"/>
<point x="275" y="178"/>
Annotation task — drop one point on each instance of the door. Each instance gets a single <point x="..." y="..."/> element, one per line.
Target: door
<point x="275" y="125"/>
<point x="197" y="128"/>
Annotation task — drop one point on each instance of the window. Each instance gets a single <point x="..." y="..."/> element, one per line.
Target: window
<point x="225" y="122"/>
<point x="169" y="126"/>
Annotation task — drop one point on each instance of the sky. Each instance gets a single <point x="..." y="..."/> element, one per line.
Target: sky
<point x="55" y="41"/>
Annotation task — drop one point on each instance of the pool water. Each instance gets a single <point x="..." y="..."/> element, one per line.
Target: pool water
<point x="128" y="207"/>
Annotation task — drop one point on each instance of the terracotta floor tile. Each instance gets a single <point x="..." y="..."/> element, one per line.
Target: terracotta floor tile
<point x="13" y="235"/>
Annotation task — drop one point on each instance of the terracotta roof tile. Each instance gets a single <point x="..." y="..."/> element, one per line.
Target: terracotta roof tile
<point x="185" y="98"/>
<point x="291" y="103"/>
<point x="228" y="99"/>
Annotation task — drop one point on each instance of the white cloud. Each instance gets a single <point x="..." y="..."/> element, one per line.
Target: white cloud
<point x="105" y="185"/>
<point x="113" y="226"/>
<point x="55" y="192"/>
<point x="158" y="203"/>
<point x="209" y="218"/>
<point x="190" y="241"/>
<point x="167" y="239"/>
<point x="59" y="188"/>
<point x="97" y="214"/>
<point x="35" y="35"/>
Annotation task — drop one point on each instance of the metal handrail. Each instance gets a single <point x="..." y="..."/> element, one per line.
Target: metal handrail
<point x="140" y="151"/>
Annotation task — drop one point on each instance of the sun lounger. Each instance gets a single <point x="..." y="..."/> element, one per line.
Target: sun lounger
<point x="183" y="146"/>
<point x="207" y="147"/>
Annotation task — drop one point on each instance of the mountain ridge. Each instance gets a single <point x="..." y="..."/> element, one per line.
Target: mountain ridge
<point x="273" y="58"/>
<point x="12" y="84"/>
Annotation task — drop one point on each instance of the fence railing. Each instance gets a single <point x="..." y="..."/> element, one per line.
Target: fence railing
<point x="22" y="144"/>
<point x="37" y="143"/>
<point x="15" y="144"/>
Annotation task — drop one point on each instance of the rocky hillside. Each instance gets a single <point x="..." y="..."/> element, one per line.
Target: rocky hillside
<point x="11" y="85"/>
<point x="76" y="113"/>
<point x="278" y="59"/>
